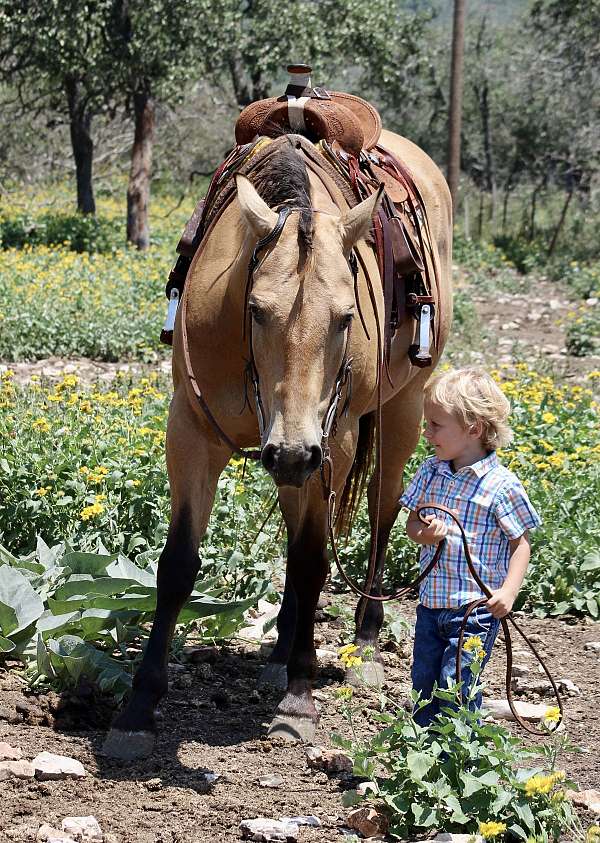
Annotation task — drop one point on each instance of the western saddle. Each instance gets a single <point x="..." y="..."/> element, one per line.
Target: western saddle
<point x="345" y="130"/>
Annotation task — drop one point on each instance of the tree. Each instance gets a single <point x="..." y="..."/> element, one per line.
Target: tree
<point x="456" y="88"/>
<point x="155" y="45"/>
<point x="61" y="63"/>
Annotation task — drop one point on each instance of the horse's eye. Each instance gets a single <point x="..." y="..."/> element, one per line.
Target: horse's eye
<point x="256" y="313"/>
<point x="346" y="321"/>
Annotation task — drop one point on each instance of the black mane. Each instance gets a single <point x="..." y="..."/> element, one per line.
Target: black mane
<point x="285" y="182"/>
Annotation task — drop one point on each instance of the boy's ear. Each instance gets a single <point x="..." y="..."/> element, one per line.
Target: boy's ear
<point x="476" y="429"/>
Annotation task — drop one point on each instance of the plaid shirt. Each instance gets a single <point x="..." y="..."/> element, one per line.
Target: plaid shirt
<point x="493" y="507"/>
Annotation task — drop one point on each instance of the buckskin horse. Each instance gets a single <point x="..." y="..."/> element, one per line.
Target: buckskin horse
<point x="283" y="313"/>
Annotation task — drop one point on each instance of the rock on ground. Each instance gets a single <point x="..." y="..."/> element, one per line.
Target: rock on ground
<point x="50" y="766"/>
<point x="264" y="829"/>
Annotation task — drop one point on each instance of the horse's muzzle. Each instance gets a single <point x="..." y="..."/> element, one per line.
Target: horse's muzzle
<point x="291" y="466"/>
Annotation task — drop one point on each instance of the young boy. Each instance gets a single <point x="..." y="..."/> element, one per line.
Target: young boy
<point x="465" y="422"/>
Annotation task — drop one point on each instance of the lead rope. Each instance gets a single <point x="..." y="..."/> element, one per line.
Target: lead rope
<point x="404" y="590"/>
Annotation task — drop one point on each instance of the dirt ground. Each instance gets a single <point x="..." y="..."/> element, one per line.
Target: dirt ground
<point x="215" y="719"/>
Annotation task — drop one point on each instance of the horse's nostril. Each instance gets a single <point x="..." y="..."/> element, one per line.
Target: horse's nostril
<point x="316" y="457"/>
<point x="269" y="457"/>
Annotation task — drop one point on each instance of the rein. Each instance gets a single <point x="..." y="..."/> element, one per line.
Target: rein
<point x="471" y="607"/>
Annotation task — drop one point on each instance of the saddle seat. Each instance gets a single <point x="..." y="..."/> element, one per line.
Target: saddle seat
<point x="332" y="116"/>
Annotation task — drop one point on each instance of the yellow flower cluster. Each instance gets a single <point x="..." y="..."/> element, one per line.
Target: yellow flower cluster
<point x="491" y="829"/>
<point x="347" y="657"/>
<point x="344" y="693"/>
<point x="539" y="785"/>
<point x="474" y="645"/>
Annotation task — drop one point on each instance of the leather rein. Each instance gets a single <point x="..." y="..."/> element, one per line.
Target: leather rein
<point x="344" y="381"/>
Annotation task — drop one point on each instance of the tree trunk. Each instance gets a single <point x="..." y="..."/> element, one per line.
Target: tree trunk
<point x="456" y="87"/>
<point x="138" y="190"/>
<point x="561" y="221"/>
<point x="80" y="123"/>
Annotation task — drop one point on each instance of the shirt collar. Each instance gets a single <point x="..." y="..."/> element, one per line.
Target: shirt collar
<point x="479" y="468"/>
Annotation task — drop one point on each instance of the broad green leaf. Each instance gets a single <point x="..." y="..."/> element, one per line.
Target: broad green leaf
<point x="424" y="815"/>
<point x="457" y="816"/>
<point x="591" y="561"/>
<point x="6" y="646"/>
<point x="20" y="605"/>
<point x="44" y="665"/>
<point x="419" y="763"/>
<point x="106" y="586"/>
<point x="87" y="563"/>
<point x="125" y="569"/>
<point x="48" y="625"/>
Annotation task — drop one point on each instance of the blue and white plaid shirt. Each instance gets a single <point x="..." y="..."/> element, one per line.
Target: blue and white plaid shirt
<point x="493" y="507"/>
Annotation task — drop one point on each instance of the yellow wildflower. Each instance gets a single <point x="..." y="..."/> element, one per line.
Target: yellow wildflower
<point x="347" y="650"/>
<point x="90" y="511"/>
<point x="491" y="829"/>
<point x="593" y="834"/>
<point x="539" y="784"/>
<point x="344" y="693"/>
<point x="552" y="714"/>
<point x="42" y="425"/>
<point x="549" y="418"/>
<point x="42" y="491"/>
<point x="351" y="661"/>
<point x="473" y="643"/>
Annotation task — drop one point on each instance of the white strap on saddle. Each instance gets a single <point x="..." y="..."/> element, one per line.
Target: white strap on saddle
<point x="296" y="104"/>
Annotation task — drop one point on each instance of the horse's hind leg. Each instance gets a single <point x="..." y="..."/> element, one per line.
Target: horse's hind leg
<point x="400" y="430"/>
<point x="194" y="466"/>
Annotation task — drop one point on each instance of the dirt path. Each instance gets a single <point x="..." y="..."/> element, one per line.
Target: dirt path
<point x="215" y="719"/>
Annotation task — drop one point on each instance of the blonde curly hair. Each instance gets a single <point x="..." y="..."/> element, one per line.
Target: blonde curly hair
<point x="472" y="396"/>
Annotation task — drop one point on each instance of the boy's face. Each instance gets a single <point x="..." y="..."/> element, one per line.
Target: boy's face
<point x="447" y="436"/>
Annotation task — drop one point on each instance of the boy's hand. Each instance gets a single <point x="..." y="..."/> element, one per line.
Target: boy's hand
<point x="501" y="602"/>
<point x="435" y="531"/>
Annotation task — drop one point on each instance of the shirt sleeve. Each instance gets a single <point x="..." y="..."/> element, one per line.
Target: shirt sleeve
<point x="514" y="511"/>
<point x="414" y="494"/>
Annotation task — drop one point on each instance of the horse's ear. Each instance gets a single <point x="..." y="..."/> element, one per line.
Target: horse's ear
<point x="357" y="221"/>
<point x="255" y="211"/>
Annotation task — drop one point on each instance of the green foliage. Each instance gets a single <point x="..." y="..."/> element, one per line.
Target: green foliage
<point x="79" y="232"/>
<point x="461" y="774"/>
<point x="67" y="614"/>
<point x="583" y="333"/>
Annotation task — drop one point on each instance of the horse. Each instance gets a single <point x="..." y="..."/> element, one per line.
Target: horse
<point x="297" y="313"/>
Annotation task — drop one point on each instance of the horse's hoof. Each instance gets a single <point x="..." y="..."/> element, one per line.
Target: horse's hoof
<point x="292" y="728"/>
<point x="274" y="675"/>
<point x="128" y="746"/>
<point x="369" y="673"/>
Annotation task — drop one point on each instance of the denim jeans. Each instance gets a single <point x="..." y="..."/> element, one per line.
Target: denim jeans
<point x="434" y="652"/>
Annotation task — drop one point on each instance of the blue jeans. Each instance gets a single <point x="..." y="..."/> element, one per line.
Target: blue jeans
<point x="434" y="652"/>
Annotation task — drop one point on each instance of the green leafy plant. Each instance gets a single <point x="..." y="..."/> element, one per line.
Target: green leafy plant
<point x="460" y="774"/>
<point x="66" y="614"/>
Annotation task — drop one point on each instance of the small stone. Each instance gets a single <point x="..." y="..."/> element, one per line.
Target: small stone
<point x="9" y="753"/>
<point x="184" y="682"/>
<point x="31" y="713"/>
<point x="447" y="837"/>
<point x="83" y="829"/>
<point x="500" y="710"/>
<point x="367" y="821"/>
<point x="594" y="646"/>
<point x="329" y="760"/>
<point x="367" y="787"/>
<point x="310" y="820"/>
<point x="154" y="784"/>
<point x="270" y="780"/>
<point x="264" y="829"/>
<point x="568" y="687"/>
<point x="16" y="769"/>
<point x="46" y="833"/>
<point x="589" y="799"/>
<point x="50" y="766"/>
<point x="10" y="715"/>
<point x="519" y="670"/>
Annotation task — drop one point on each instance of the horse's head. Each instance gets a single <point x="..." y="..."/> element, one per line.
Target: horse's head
<point x="301" y="305"/>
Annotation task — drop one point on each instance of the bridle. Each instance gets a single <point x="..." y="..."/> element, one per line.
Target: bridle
<point x="343" y="382"/>
<point x="343" y="379"/>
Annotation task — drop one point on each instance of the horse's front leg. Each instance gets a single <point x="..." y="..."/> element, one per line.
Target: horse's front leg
<point x="305" y="514"/>
<point x="194" y="465"/>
